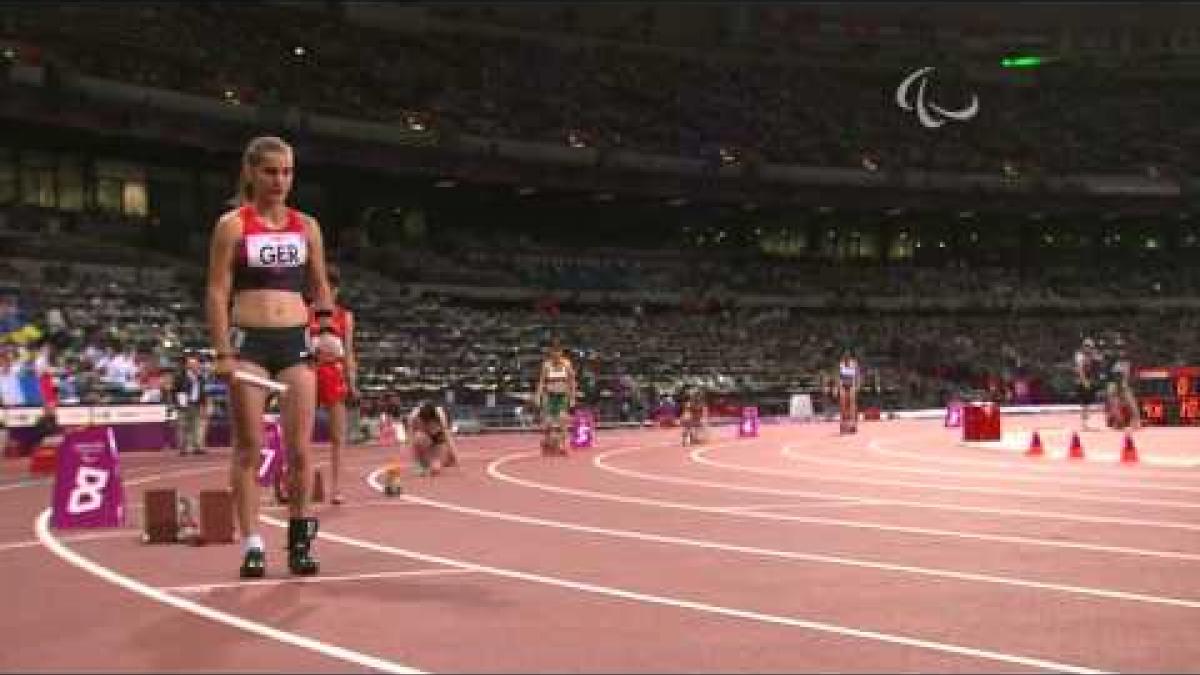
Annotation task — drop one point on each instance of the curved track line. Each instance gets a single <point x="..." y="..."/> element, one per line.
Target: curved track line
<point x="790" y="451"/>
<point x="876" y="446"/>
<point x="44" y="535"/>
<point x="765" y="552"/>
<point x="749" y="512"/>
<point x="1038" y="471"/>
<point x="698" y="457"/>
<point x="678" y="603"/>
<point x="1152" y="464"/>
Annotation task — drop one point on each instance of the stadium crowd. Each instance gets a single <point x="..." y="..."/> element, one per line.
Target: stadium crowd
<point x="616" y="95"/>
<point x="109" y="331"/>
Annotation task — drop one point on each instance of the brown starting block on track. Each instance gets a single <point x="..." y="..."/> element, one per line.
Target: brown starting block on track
<point x="216" y="517"/>
<point x="165" y="508"/>
<point x="160" y="516"/>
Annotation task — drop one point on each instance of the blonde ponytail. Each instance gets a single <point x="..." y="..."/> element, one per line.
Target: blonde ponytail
<point x="252" y="157"/>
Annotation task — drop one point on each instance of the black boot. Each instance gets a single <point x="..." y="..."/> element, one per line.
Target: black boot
<point x="300" y="535"/>
<point x="254" y="564"/>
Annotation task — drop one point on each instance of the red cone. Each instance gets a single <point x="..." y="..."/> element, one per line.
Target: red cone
<point x="1076" y="451"/>
<point x="1129" y="452"/>
<point x="1035" y="446"/>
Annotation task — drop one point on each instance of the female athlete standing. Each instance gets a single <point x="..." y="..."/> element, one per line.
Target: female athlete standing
<point x="555" y="395"/>
<point x="847" y="377"/>
<point x="263" y="257"/>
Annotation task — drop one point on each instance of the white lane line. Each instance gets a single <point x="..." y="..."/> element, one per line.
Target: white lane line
<point x="698" y="457"/>
<point x="1014" y="442"/>
<point x="752" y="511"/>
<point x="494" y="471"/>
<point x="1051" y="472"/>
<point x="680" y="603"/>
<point x="24" y="483"/>
<point x="755" y="508"/>
<point x="791" y="452"/>
<point x="107" y="534"/>
<point x="325" y="579"/>
<point x="42" y="527"/>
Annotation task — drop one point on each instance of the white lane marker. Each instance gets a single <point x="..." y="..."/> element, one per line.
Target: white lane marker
<point x="42" y="527"/>
<point x="324" y="579"/>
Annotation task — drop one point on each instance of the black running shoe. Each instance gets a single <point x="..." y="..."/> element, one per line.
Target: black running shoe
<point x="254" y="564"/>
<point x="300" y="535"/>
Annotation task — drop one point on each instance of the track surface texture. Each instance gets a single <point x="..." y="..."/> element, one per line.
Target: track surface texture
<point x="898" y="549"/>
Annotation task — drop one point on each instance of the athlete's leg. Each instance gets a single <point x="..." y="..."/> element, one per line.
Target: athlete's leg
<point x="298" y="412"/>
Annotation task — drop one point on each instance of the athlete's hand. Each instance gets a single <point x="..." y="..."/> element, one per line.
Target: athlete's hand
<point x="223" y="366"/>
<point x="329" y="346"/>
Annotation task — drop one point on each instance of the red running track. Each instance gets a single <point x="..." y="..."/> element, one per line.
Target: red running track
<point x="898" y="549"/>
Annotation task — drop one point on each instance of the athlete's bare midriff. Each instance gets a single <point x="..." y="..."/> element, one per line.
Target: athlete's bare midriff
<point x="268" y="308"/>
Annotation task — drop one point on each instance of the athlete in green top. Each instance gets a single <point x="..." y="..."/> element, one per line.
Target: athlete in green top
<point x="555" y="396"/>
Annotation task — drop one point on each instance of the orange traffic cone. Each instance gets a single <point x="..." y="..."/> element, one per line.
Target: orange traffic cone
<point x="1076" y="450"/>
<point x="1035" y="446"/>
<point x="1129" y="452"/>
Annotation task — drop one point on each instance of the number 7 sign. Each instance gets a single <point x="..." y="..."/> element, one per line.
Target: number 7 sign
<point x="271" y="454"/>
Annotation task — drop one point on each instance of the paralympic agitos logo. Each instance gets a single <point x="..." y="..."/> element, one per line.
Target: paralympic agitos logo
<point x="929" y="113"/>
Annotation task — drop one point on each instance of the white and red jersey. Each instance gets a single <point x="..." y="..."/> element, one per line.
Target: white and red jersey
<point x="269" y="258"/>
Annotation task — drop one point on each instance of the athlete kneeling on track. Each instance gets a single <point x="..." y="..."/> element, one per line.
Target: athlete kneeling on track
<point x="432" y="439"/>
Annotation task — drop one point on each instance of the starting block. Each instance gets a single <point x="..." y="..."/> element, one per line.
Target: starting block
<point x="173" y="518"/>
<point x="216" y="517"/>
<point x="160" y="516"/>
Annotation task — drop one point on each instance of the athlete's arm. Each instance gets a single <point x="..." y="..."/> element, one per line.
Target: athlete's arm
<point x="220" y="289"/>
<point x="350" y="356"/>
<point x="318" y="280"/>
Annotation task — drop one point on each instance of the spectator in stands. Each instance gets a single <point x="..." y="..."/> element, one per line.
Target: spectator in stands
<point x="10" y="381"/>
<point x="264" y="256"/>
<point x="190" y="398"/>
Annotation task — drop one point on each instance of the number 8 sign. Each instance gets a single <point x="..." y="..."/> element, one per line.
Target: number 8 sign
<point x="87" y="485"/>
